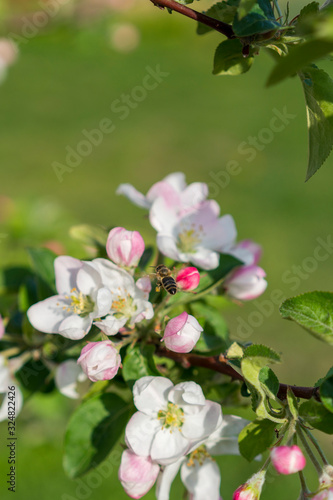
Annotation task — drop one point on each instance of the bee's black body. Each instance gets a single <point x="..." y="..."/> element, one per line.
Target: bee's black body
<point x="165" y="279"/>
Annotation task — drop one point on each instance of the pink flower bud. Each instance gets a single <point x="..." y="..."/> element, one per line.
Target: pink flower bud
<point x="182" y="333"/>
<point x="246" y="282"/>
<point x="125" y="248"/>
<point x="253" y="250"/>
<point x="287" y="459"/>
<point x="251" y="490"/>
<point x="188" y="278"/>
<point x="100" y="360"/>
<point x="137" y="474"/>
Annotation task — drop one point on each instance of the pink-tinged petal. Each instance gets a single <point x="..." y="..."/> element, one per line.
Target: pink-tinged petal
<point x="75" y="327"/>
<point x="137" y="474"/>
<point x="47" y="315"/>
<point x="164" y="480"/>
<point x="175" y="325"/>
<point x="167" y="447"/>
<point x="133" y="195"/>
<point x="205" y="422"/>
<point x="103" y="302"/>
<point x="2" y="327"/>
<point x="251" y="490"/>
<point x="202" y="480"/>
<point x="150" y="394"/>
<point x="88" y="279"/>
<point x="167" y="246"/>
<point x="125" y="248"/>
<point x="163" y="190"/>
<point x="176" y="180"/>
<point x="205" y="258"/>
<point x="140" y="432"/>
<point x="246" y="282"/>
<point x="144" y="284"/>
<point x="221" y="234"/>
<point x="66" y="378"/>
<point x="287" y="459"/>
<point x="188" y="278"/>
<point x="253" y="248"/>
<point x="66" y="269"/>
<point x="326" y="494"/>
<point x="100" y="360"/>
<point x="110" y="325"/>
<point x="163" y="216"/>
<point x="144" y="310"/>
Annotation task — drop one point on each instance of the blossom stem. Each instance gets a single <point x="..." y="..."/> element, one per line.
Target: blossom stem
<point x="216" y="25"/>
<point x="305" y="490"/>
<point x="308" y="450"/>
<point x="315" y="444"/>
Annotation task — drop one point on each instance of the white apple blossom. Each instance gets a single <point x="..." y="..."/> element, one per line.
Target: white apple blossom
<point x="173" y="189"/>
<point x="100" y="360"/>
<point x="68" y="377"/>
<point x="129" y="299"/>
<point x="6" y="382"/>
<point x="170" y="419"/>
<point x="82" y="297"/>
<point x="197" y="236"/>
<point x="245" y="282"/>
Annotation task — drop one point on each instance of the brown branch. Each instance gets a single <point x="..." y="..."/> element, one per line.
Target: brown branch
<point x="216" y="25"/>
<point x="219" y="364"/>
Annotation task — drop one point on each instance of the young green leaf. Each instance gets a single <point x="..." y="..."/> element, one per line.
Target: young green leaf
<point x="269" y="382"/>
<point x="313" y="311"/>
<point x="42" y="260"/>
<point x="256" y="437"/>
<point x="292" y="403"/>
<point x="229" y="60"/>
<point x="326" y="393"/>
<point x="138" y="363"/>
<point x="317" y="416"/>
<point x="222" y="11"/>
<point x="93" y="430"/>
<point x="259" y="20"/>
<point x="245" y="7"/>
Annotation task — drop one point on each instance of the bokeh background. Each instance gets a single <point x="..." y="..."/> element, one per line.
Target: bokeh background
<point x="68" y="76"/>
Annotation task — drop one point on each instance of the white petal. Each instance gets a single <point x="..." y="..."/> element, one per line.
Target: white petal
<point x="189" y="396"/>
<point x="5" y="407"/>
<point x="133" y="195"/>
<point x="194" y="193"/>
<point x="176" y="180"/>
<point x="104" y="301"/>
<point x="202" y="481"/>
<point x="66" y="378"/>
<point x="150" y="394"/>
<point x="144" y="310"/>
<point x="74" y="327"/>
<point x="167" y="446"/>
<point x="47" y="315"/>
<point x="167" y="246"/>
<point x="165" y="478"/>
<point x="204" y="258"/>
<point x="163" y="215"/>
<point x="88" y="279"/>
<point x="140" y="432"/>
<point x="110" y="325"/>
<point x="66" y="269"/>
<point x="202" y="424"/>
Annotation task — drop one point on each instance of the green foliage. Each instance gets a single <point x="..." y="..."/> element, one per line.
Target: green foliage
<point x="215" y="331"/>
<point x="245" y="7"/>
<point x="229" y="59"/>
<point x="317" y="416"/>
<point x="326" y="393"/>
<point x="260" y="19"/>
<point x="223" y="11"/>
<point x="138" y="363"/>
<point x="269" y="382"/>
<point x="34" y="376"/>
<point x="42" y="260"/>
<point x="256" y="437"/>
<point x="292" y="403"/>
<point x="313" y="311"/>
<point x="93" y="430"/>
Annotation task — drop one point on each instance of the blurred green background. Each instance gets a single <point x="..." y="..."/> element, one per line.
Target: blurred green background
<point x="65" y="81"/>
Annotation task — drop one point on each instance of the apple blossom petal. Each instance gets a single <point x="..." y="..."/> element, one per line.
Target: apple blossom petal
<point x="104" y="301"/>
<point x="163" y="216"/>
<point x="202" y="480"/>
<point x="140" y="433"/>
<point x="125" y="248"/>
<point x="246" y="282"/>
<point x="66" y="269"/>
<point x="170" y="196"/>
<point x="189" y="396"/>
<point x="66" y="378"/>
<point x="175" y="324"/>
<point x="202" y="424"/>
<point x="88" y="278"/>
<point x="6" y="405"/>
<point x="113" y="277"/>
<point x="220" y="234"/>
<point x="165" y="479"/>
<point x="111" y="325"/>
<point x="75" y="327"/>
<point x="150" y="394"/>
<point x="144" y="310"/>
<point x="176" y="180"/>
<point x="144" y="284"/>
<point x="100" y="360"/>
<point x="167" y="447"/>
<point x="137" y="474"/>
<point x="167" y="246"/>
<point x="133" y="195"/>
<point x="205" y="258"/>
<point x="194" y="194"/>
<point x="5" y="376"/>
<point x="47" y="315"/>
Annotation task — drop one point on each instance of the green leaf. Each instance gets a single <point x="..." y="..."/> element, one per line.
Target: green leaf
<point x="318" y="90"/>
<point x="317" y="416"/>
<point x="215" y="331"/>
<point x="235" y="351"/>
<point x="326" y="393"/>
<point x="269" y="381"/>
<point x="34" y="376"/>
<point x="313" y="311"/>
<point x="259" y="20"/>
<point x="229" y="59"/>
<point x="299" y="57"/>
<point x="138" y="363"/>
<point x="292" y="403"/>
<point x="265" y="354"/>
<point x="321" y="380"/>
<point x="93" y="430"/>
<point x="90" y="235"/>
<point x="307" y="18"/>
<point x="146" y="258"/>
<point x="256" y="437"/>
<point x="222" y="11"/>
<point x="42" y="260"/>
<point x="245" y="7"/>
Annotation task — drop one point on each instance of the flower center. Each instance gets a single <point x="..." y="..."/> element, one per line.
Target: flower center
<point x="123" y="306"/>
<point x="200" y="455"/>
<point x="80" y="304"/>
<point x="172" y="417"/>
<point x="190" y="238"/>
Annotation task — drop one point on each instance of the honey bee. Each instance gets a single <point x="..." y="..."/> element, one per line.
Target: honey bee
<point x="165" y="279"/>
